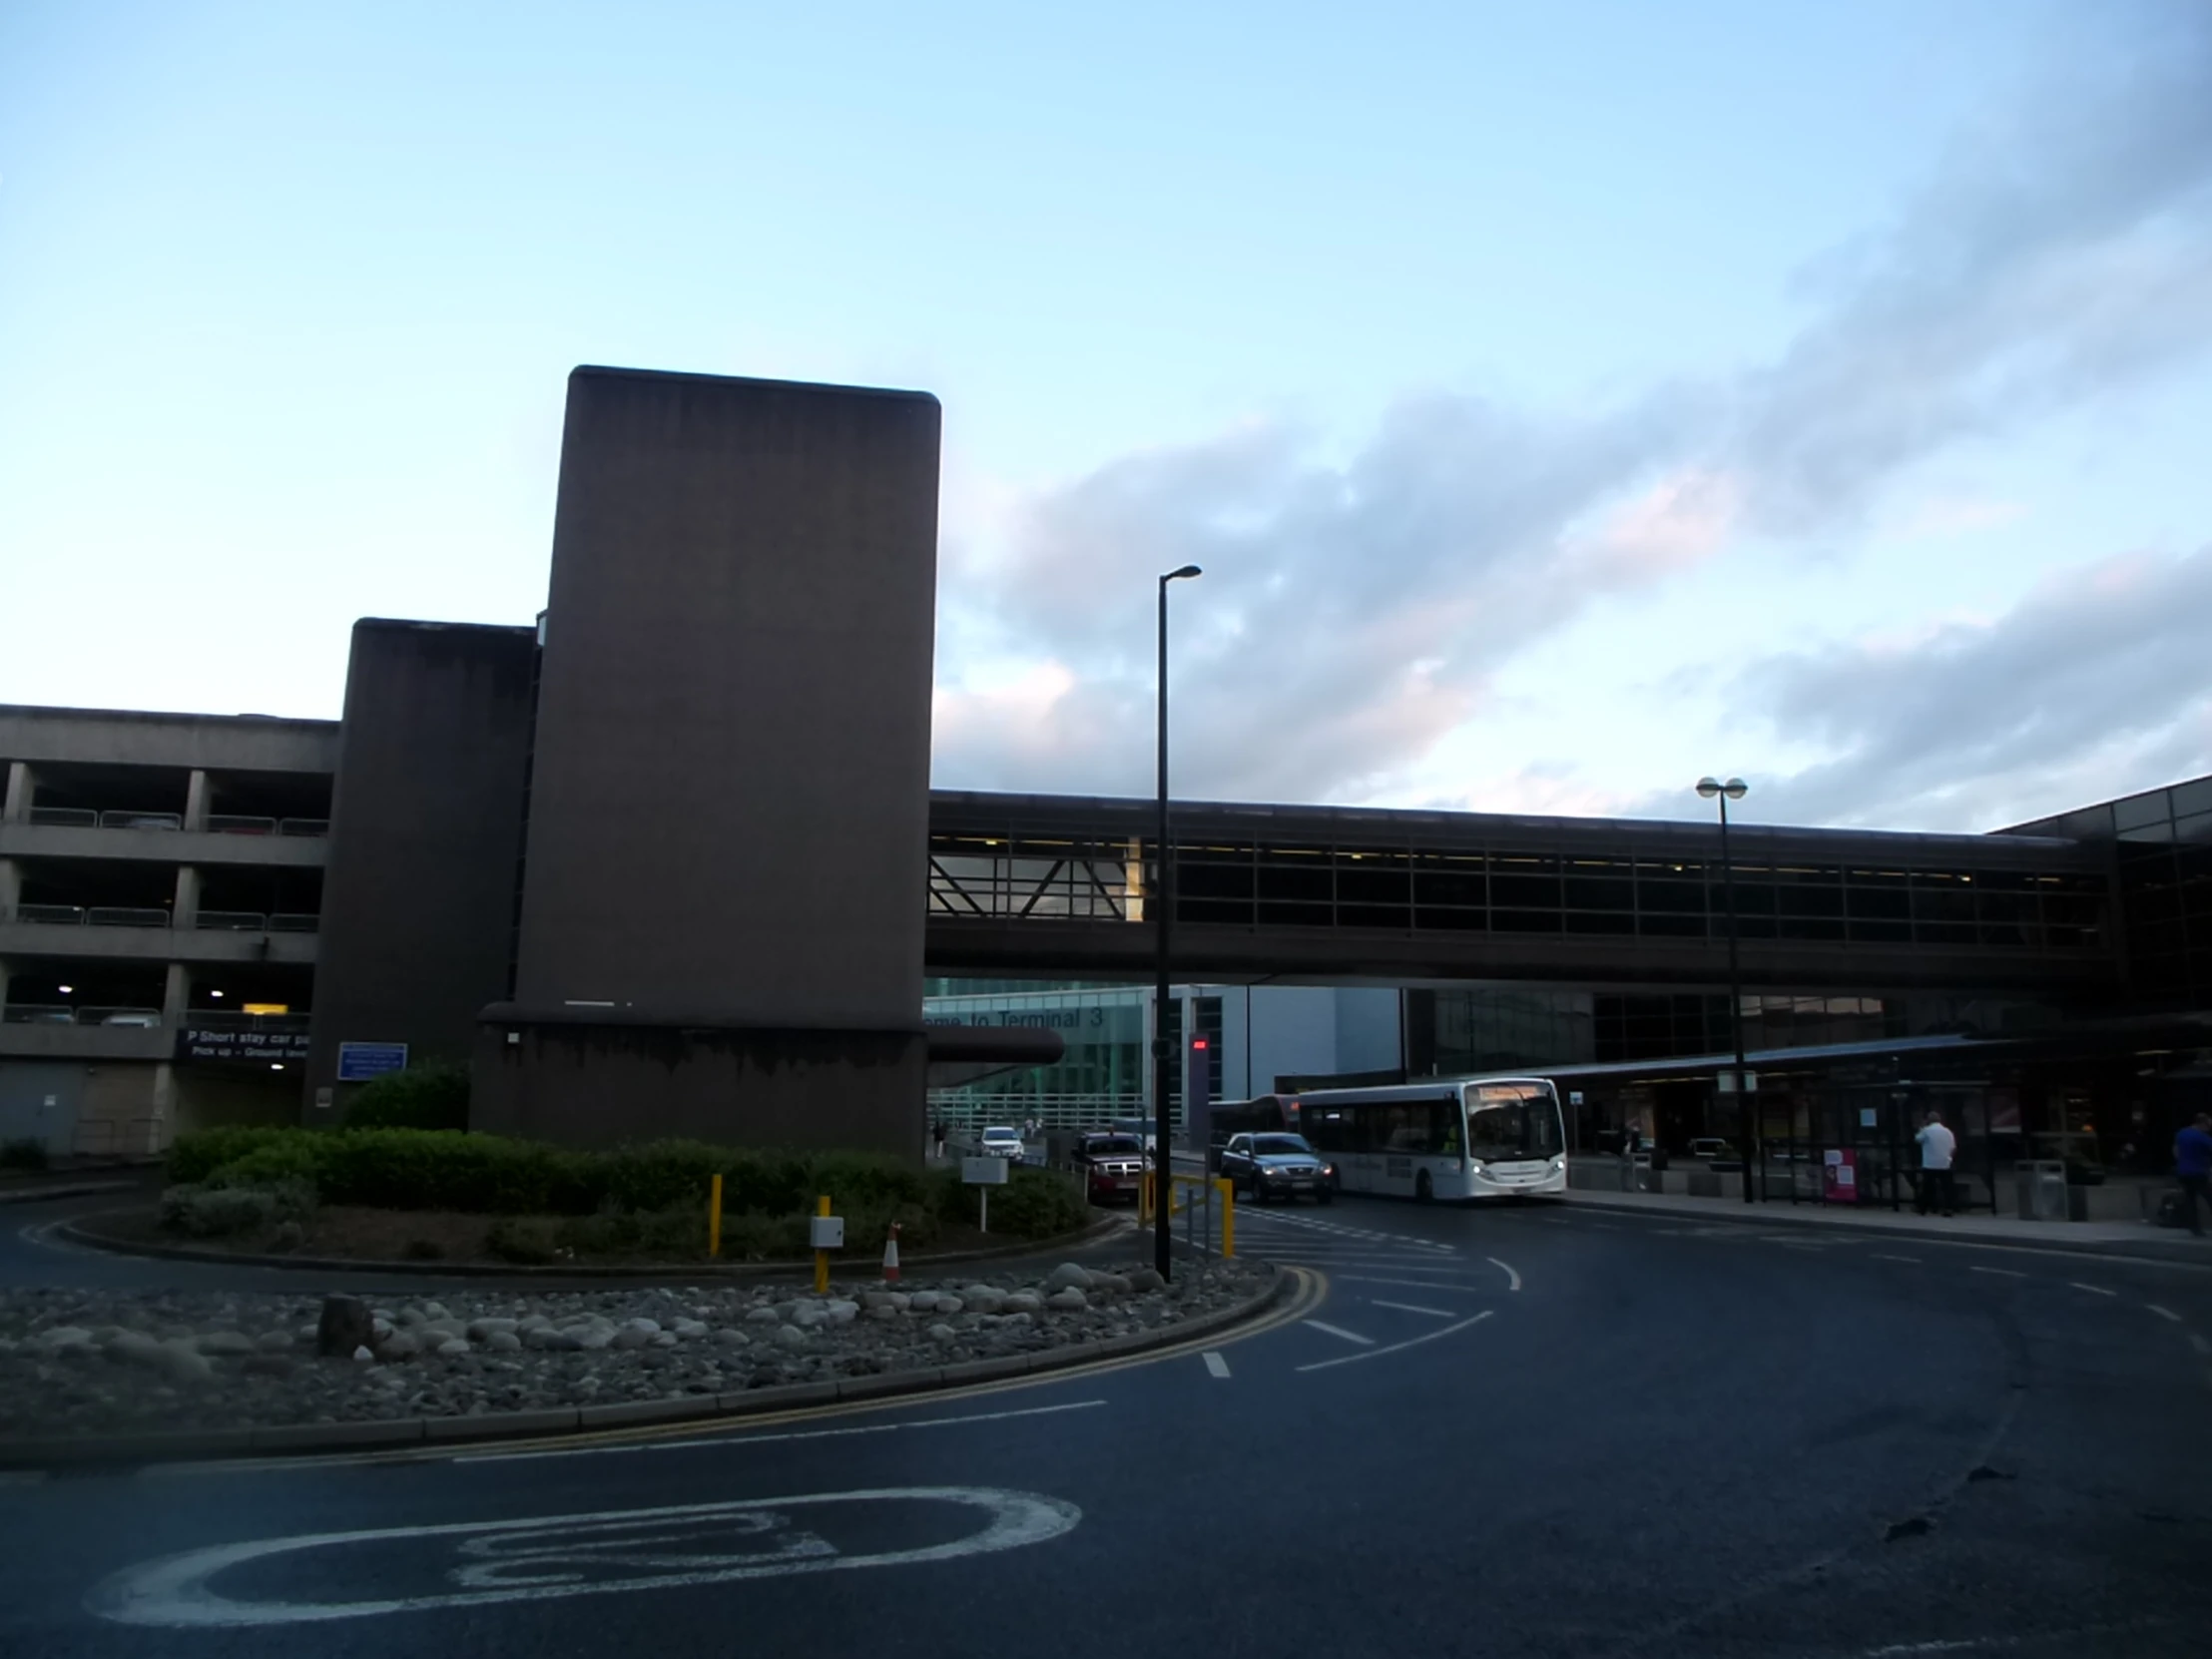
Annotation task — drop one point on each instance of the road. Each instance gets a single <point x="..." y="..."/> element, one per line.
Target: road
<point x="1538" y="1430"/>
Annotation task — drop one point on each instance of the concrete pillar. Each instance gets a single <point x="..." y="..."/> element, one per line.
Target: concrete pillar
<point x="3" y="978"/>
<point x="162" y="1129"/>
<point x="11" y="887"/>
<point x="184" y="912"/>
<point x="195" y="800"/>
<point x="21" y="788"/>
<point x="176" y="994"/>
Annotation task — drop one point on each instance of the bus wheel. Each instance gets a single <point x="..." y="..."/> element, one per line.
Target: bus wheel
<point x="1423" y="1188"/>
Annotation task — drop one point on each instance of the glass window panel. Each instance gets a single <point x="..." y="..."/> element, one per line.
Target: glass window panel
<point x="1447" y="921"/>
<point x="2137" y="811"/>
<point x="1524" y="889"/>
<point x="1525" y="922"/>
<point x="1595" y="893"/>
<point x="1307" y="883"/>
<point x="2193" y="797"/>
<point x="1877" y="904"/>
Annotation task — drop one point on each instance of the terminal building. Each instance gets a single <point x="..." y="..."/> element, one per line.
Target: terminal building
<point x="198" y="913"/>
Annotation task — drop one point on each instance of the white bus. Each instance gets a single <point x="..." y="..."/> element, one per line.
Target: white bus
<point x="1483" y="1137"/>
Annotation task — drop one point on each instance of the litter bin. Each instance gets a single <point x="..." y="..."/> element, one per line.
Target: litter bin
<point x="2041" y="1183"/>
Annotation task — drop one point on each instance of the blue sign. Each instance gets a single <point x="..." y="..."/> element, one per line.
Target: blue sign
<point x="358" y="1062"/>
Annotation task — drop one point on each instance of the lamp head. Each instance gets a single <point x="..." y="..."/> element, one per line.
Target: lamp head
<point x="1735" y="789"/>
<point x="1179" y="575"/>
<point x="1708" y="787"/>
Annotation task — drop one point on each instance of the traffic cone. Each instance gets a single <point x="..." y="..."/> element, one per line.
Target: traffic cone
<point x="890" y="1256"/>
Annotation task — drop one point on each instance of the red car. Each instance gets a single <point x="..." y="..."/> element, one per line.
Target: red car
<point x="1113" y="1166"/>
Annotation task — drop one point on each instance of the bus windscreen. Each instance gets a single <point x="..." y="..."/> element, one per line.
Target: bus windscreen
<point x="1509" y="1124"/>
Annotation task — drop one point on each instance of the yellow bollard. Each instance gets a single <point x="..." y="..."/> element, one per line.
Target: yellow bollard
<point x="713" y="1217"/>
<point x="1228" y="1191"/>
<point x="821" y="1257"/>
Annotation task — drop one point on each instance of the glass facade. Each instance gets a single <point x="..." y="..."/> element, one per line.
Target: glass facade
<point x="1104" y="1074"/>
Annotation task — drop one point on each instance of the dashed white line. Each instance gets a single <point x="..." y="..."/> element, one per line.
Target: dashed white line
<point x="1415" y="1341"/>
<point x="2199" y="1344"/>
<point x="763" y="1440"/>
<point x="1339" y="1330"/>
<point x="1505" y="1267"/>
<point x="1879" y="1257"/>
<point x="1998" y="1273"/>
<point x="1216" y="1364"/>
<point x="1403" y="1284"/>
<point x="1409" y="1307"/>
<point x="2093" y="1290"/>
<point x="2163" y="1313"/>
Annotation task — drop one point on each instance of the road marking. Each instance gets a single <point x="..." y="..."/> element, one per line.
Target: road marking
<point x="546" y="1557"/>
<point x="2093" y="1290"/>
<point x="1409" y="1307"/>
<point x="1879" y="1257"/>
<point x="2199" y="1344"/>
<point x="765" y="1439"/>
<point x="1408" y="1284"/>
<point x="1507" y="1270"/>
<point x="1416" y="1341"/>
<point x="1996" y="1272"/>
<point x="2163" y="1313"/>
<point x="1216" y="1364"/>
<point x="1339" y="1331"/>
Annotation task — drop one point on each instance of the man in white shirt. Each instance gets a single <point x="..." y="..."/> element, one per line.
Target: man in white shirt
<point x="1937" y="1144"/>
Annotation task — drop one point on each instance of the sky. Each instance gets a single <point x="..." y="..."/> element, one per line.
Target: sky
<point x="1564" y="400"/>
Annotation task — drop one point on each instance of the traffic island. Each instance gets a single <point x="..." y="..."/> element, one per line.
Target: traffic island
<point x="106" y="1376"/>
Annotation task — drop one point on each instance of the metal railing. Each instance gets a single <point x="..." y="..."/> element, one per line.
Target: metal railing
<point x="66" y="817"/>
<point x="220" y="823"/>
<point x="126" y="915"/>
<point x="304" y="827"/>
<point x="298" y="921"/>
<point x="54" y="1013"/>
<point x="226" y="1020"/>
<point x="67" y="915"/>
<point x="230" y="922"/>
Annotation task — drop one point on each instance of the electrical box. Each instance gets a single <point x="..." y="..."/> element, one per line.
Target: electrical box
<point x="826" y="1232"/>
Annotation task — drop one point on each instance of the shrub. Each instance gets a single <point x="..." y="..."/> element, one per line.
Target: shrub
<point x="23" y="1154"/>
<point x="196" y="1156"/>
<point x="433" y="1096"/>
<point x="292" y="1159"/>
<point x="527" y="1241"/>
<point x="1034" y="1203"/>
<point x="422" y="1250"/>
<point x="220" y="1212"/>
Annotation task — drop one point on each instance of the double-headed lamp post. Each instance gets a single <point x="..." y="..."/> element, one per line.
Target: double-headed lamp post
<point x="1162" y="899"/>
<point x="1712" y="789"/>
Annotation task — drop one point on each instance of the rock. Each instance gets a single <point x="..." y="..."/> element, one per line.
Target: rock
<point x="1025" y="1302"/>
<point x="400" y="1345"/>
<point x="650" y="1327"/>
<point x="536" y="1322"/>
<point x="274" y="1341"/>
<point x="983" y="1301"/>
<point x="503" y="1341"/>
<point x="544" y="1338"/>
<point x="269" y="1364"/>
<point x="1118" y="1282"/>
<point x="1067" y="1299"/>
<point x="902" y="1301"/>
<point x="1016" y="1322"/>
<point x="438" y="1330"/>
<point x="690" y="1328"/>
<point x="943" y="1334"/>
<point x="763" y="1316"/>
<point x="790" y="1336"/>
<point x="731" y="1337"/>
<point x="842" y="1311"/>
<point x="629" y="1336"/>
<point x="1146" y="1279"/>
<point x="876" y="1301"/>
<point x="435" y="1311"/>
<point x="56" y="1337"/>
<point x="921" y="1301"/>
<point x="808" y="1315"/>
<point x="179" y="1360"/>
<point x="886" y="1312"/>
<point x="663" y="1339"/>
<point x="452" y="1345"/>
<point x="949" y="1304"/>
<point x="346" y="1325"/>
<point x="1068" y="1276"/>
<point x="136" y="1348"/>
<point x="364" y="1356"/>
<point x="478" y="1329"/>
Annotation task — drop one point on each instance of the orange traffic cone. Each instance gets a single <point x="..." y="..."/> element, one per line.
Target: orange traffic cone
<point x="890" y="1256"/>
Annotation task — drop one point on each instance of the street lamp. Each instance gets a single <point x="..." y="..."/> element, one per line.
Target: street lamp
<point x="1713" y="788"/>
<point x="1163" y="897"/>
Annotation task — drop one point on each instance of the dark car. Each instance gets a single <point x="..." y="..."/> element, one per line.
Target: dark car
<point x="1277" y="1165"/>
<point x="1112" y="1165"/>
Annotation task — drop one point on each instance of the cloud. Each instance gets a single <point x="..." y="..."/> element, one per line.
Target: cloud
<point x="1357" y="609"/>
<point x="2094" y="681"/>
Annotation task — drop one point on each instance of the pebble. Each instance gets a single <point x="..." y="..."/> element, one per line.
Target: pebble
<point x="89" y="1362"/>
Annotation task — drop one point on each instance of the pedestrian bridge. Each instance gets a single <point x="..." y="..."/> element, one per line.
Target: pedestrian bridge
<point x="1061" y="885"/>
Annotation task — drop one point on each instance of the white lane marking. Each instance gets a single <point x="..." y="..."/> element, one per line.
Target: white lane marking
<point x="760" y="1439"/>
<point x="1339" y="1331"/>
<point x="2163" y="1313"/>
<point x="1215" y="1364"/>
<point x="1409" y="1307"/>
<point x="2093" y="1290"/>
<point x="1508" y="1268"/>
<point x="1406" y="1283"/>
<point x="550" y="1556"/>
<point x="1416" y="1341"/>
<point x="1881" y="1257"/>
<point x="39" y="1234"/>
<point x="1996" y="1272"/>
<point x="2199" y="1344"/>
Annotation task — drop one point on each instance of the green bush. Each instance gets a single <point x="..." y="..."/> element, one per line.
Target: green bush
<point x="220" y="1212"/>
<point x="1034" y="1203"/>
<point x="196" y="1156"/>
<point x="23" y="1154"/>
<point x="528" y="1241"/>
<point x="433" y="1096"/>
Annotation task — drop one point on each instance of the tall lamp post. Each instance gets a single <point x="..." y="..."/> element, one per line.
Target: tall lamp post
<point x="1162" y="898"/>
<point x="1712" y="789"/>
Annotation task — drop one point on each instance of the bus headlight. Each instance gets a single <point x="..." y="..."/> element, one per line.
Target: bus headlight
<point x="1474" y="1166"/>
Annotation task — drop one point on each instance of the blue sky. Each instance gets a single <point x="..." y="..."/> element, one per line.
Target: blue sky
<point x="1564" y="400"/>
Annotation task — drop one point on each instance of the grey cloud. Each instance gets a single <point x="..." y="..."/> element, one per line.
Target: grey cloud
<point x="2094" y="681"/>
<point x="1353" y="610"/>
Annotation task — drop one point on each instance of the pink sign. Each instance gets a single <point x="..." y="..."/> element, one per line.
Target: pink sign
<point x="1840" y="1177"/>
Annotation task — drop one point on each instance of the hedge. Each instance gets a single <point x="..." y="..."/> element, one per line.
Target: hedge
<point x="433" y="1096"/>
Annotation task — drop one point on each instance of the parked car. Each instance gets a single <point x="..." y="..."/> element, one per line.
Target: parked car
<point x="1112" y="1165"/>
<point x="1002" y="1142"/>
<point x="1277" y="1165"/>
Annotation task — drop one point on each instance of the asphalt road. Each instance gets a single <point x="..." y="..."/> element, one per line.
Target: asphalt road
<point x="1534" y="1431"/>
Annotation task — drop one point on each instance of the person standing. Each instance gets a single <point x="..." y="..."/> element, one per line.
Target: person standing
<point x="1937" y="1144"/>
<point x="2193" y="1167"/>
